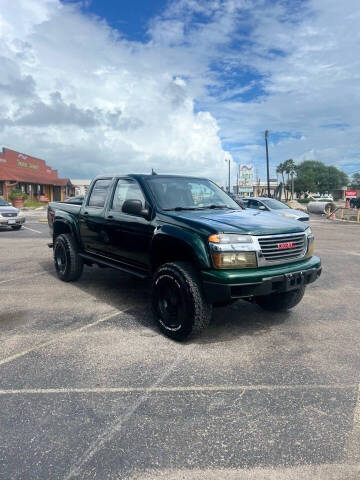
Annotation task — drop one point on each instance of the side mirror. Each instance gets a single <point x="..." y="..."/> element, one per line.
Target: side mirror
<point x="262" y="207"/>
<point x="134" y="207"/>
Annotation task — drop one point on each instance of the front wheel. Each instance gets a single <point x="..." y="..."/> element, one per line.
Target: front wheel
<point x="69" y="266"/>
<point x="178" y="303"/>
<point x="16" y="227"/>
<point x="281" y="302"/>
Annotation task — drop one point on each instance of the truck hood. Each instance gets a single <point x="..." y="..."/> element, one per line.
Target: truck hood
<point x="290" y="211"/>
<point x="252" y="222"/>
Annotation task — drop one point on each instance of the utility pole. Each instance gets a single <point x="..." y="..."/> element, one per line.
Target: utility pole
<point x="237" y="181"/>
<point x="267" y="162"/>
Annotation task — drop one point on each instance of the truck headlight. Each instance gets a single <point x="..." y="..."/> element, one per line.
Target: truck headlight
<point x="230" y="238"/>
<point x="310" y="242"/>
<point x="227" y="260"/>
<point x="232" y="251"/>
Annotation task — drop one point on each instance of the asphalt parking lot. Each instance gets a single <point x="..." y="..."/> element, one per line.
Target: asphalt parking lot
<point x="90" y="390"/>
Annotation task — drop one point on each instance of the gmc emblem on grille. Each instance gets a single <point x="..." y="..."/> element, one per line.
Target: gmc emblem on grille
<point x="286" y="245"/>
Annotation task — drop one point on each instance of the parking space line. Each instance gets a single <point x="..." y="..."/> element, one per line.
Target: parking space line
<point x="62" y="335"/>
<point x="115" y="428"/>
<point x="352" y="447"/>
<point x="177" y="389"/>
<point x="36" y="231"/>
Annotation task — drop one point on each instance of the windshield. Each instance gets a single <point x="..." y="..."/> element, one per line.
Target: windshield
<point x="274" y="204"/>
<point x="3" y="203"/>
<point x="183" y="193"/>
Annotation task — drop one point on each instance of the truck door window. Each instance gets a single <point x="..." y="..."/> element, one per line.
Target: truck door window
<point x="126" y="189"/>
<point x="99" y="193"/>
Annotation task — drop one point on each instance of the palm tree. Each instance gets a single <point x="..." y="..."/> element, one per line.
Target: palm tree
<point x="281" y="170"/>
<point x="289" y="167"/>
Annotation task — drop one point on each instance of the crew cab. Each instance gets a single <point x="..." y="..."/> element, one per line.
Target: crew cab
<point x="200" y="248"/>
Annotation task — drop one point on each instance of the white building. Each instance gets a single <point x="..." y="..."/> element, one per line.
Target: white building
<point x="81" y="186"/>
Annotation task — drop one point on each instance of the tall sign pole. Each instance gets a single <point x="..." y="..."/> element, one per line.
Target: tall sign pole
<point x="267" y="161"/>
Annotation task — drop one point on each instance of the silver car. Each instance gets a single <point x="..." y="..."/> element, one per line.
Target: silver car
<point x="274" y="206"/>
<point x="10" y="216"/>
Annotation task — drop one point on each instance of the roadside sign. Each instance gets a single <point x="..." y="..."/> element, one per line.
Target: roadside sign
<point x="350" y="193"/>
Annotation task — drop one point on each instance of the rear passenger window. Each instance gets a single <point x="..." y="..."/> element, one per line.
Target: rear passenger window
<point x="99" y="193"/>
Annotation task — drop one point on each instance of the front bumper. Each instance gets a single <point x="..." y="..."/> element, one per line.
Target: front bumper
<point x="227" y="285"/>
<point x="11" y="221"/>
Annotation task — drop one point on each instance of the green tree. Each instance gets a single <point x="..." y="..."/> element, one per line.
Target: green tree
<point x="355" y="180"/>
<point x="313" y="176"/>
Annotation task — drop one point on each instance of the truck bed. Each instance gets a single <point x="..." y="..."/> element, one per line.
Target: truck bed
<point x="69" y="208"/>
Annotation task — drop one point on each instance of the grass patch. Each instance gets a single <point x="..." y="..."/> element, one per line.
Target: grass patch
<point x="34" y="204"/>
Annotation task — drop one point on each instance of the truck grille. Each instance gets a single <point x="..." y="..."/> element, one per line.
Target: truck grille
<point x="9" y="214"/>
<point x="283" y="248"/>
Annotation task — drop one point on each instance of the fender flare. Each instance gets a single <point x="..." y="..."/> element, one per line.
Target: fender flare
<point x="193" y="242"/>
<point x="65" y="218"/>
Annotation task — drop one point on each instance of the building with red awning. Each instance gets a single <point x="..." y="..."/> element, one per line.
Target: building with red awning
<point x="33" y="176"/>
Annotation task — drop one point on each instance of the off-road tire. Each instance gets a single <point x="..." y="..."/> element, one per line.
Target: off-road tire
<point x="281" y="302"/>
<point x="16" y="227"/>
<point x="195" y="311"/>
<point x="72" y="267"/>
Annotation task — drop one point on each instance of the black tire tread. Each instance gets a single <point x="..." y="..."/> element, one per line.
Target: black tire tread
<point x="281" y="302"/>
<point x="75" y="263"/>
<point x="202" y="309"/>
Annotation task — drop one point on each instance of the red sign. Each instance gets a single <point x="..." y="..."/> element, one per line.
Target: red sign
<point x="351" y="194"/>
<point x="286" y="245"/>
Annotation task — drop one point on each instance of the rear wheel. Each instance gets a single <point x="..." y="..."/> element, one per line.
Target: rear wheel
<point x="69" y="266"/>
<point x="281" y="302"/>
<point x="178" y="303"/>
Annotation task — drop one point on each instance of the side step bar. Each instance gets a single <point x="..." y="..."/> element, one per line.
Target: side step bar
<point x="113" y="265"/>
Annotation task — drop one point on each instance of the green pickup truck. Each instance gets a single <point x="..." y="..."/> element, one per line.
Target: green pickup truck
<point x="200" y="248"/>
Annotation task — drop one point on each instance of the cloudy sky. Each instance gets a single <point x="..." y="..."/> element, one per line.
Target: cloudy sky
<point x="103" y="86"/>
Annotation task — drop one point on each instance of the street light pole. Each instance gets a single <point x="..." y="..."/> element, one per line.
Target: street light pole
<point x="267" y="162"/>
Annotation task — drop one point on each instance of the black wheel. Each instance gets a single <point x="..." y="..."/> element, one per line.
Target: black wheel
<point x="16" y="227"/>
<point x="179" y="306"/>
<point x="69" y="266"/>
<point x="281" y="302"/>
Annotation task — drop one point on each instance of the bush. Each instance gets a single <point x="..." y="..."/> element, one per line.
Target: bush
<point x="17" y="193"/>
<point x="304" y="200"/>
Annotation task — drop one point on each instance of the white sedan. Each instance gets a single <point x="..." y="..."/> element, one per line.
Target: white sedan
<point x="274" y="206"/>
<point x="10" y="216"/>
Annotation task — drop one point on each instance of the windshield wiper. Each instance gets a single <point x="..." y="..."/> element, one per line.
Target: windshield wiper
<point x="177" y="209"/>
<point x="217" y="206"/>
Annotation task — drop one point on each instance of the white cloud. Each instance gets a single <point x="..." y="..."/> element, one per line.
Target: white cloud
<point x="308" y="69"/>
<point x="78" y="94"/>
